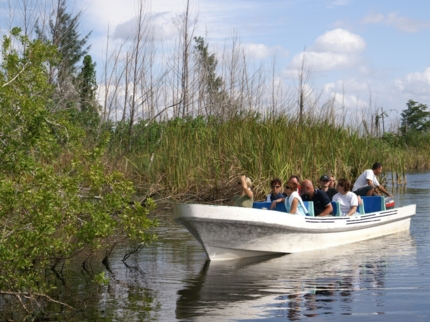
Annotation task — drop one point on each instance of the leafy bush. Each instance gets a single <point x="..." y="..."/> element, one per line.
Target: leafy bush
<point x="57" y="199"/>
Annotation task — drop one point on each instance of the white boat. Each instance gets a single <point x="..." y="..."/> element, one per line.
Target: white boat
<point x="227" y="232"/>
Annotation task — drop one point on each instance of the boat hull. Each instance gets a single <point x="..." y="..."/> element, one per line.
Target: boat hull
<point x="231" y="232"/>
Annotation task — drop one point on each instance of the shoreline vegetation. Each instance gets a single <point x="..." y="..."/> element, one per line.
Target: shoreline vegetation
<point x="199" y="159"/>
<point x="174" y="126"/>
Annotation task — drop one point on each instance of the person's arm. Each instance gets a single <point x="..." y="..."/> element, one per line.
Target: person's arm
<point x="249" y="192"/>
<point x="382" y="189"/>
<point x="354" y="202"/>
<point x="325" y="200"/>
<point x="294" y="206"/>
<point x="352" y="211"/>
<point x="245" y="188"/>
<point x="370" y="182"/>
<point x="327" y="210"/>
<point x="273" y="205"/>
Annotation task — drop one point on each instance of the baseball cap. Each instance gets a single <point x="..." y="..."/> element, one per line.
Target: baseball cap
<point x="325" y="178"/>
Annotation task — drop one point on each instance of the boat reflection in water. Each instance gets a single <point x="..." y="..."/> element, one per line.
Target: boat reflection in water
<point x="344" y="280"/>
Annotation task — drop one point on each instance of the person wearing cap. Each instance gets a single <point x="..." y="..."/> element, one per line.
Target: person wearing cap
<point x="367" y="183"/>
<point x="322" y="203"/>
<point x="325" y="186"/>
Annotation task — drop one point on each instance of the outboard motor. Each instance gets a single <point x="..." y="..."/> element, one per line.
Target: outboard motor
<point x="389" y="202"/>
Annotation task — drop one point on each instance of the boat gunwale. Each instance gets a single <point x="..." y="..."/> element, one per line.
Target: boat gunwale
<point x="299" y="229"/>
<point x="353" y="223"/>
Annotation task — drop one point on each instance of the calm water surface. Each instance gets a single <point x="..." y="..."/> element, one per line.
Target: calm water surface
<point x="384" y="279"/>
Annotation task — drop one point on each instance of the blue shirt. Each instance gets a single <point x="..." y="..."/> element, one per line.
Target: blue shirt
<point x="320" y="200"/>
<point x="273" y="197"/>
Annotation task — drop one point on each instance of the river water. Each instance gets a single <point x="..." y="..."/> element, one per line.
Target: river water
<point x="384" y="279"/>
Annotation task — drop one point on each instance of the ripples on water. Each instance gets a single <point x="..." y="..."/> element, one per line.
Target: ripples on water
<point x="348" y="280"/>
<point x="384" y="279"/>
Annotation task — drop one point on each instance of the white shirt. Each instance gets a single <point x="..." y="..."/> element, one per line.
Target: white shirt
<point x="362" y="180"/>
<point x="346" y="201"/>
<point x="300" y="206"/>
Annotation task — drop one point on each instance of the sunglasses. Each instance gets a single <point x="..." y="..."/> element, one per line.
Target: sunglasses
<point x="287" y="187"/>
<point x="276" y="187"/>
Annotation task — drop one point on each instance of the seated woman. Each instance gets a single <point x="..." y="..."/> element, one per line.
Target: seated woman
<point x="348" y="200"/>
<point x="293" y="202"/>
<point x="246" y="197"/>
<point x="276" y="185"/>
<point x="296" y="179"/>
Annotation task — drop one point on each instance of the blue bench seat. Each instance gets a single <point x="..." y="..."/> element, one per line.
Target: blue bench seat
<point x="370" y="204"/>
<point x="280" y="206"/>
<point x="373" y="203"/>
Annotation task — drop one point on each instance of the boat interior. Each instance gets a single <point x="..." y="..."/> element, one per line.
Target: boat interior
<point x="369" y="204"/>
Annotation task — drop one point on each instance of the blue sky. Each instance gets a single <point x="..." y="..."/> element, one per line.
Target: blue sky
<point x="355" y="47"/>
<point x="362" y="46"/>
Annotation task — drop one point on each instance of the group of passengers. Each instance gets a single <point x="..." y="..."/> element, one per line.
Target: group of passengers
<point x="296" y="191"/>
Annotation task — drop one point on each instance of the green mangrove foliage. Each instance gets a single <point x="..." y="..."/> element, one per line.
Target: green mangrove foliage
<point x="57" y="198"/>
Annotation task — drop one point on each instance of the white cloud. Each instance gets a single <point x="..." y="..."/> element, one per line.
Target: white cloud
<point x="373" y="18"/>
<point x="341" y="41"/>
<point x="102" y="13"/>
<point x="415" y="85"/>
<point x="336" y="49"/>
<point x="349" y="94"/>
<point x="261" y="51"/>
<point x="347" y="85"/>
<point x="393" y="19"/>
<point x="125" y="30"/>
<point x="365" y="70"/>
<point x="113" y="12"/>
<point x="406" y="24"/>
<point x="325" y="61"/>
<point x="340" y="2"/>
<point x="161" y="25"/>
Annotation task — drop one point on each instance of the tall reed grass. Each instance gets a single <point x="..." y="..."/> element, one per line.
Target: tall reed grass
<point x="200" y="158"/>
